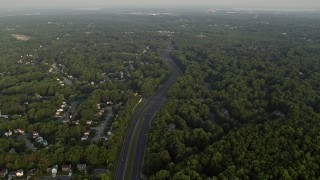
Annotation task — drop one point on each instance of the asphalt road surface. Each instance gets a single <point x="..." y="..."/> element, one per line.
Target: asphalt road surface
<point x="72" y="108"/>
<point x="100" y="129"/>
<point x="145" y="114"/>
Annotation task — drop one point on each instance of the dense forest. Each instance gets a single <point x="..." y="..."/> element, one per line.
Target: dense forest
<point x="247" y="106"/>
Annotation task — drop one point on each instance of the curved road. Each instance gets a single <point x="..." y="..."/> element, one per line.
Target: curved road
<point x="145" y="114"/>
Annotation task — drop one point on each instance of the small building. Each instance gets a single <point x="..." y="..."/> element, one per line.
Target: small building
<point x="76" y="122"/>
<point x="82" y="167"/>
<point x="8" y="133"/>
<point x="4" y="116"/>
<point x="54" y="172"/>
<point x="19" y="130"/>
<point x="84" y="138"/>
<point x="65" y="120"/>
<point x="32" y="172"/>
<point x="66" y="167"/>
<point x="39" y="139"/>
<point x="87" y="133"/>
<point x="35" y="135"/>
<point x="12" y="150"/>
<point x="3" y="173"/>
<point x="89" y="122"/>
<point x="105" y="138"/>
<point x="109" y="103"/>
<point x="49" y="169"/>
<point x="19" y="173"/>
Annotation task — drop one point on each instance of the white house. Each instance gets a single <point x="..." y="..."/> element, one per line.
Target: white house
<point x="54" y="172"/>
<point x="8" y="133"/>
<point x="19" y="173"/>
<point x="84" y="138"/>
<point x="87" y="133"/>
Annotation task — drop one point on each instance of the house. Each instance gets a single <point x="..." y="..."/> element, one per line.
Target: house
<point x="66" y="167"/>
<point x="31" y="172"/>
<point x="35" y="135"/>
<point x="76" y="122"/>
<point x="109" y="102"/>
<point x="3" y="173"/>
<point x="4" y="116"/>
<point x="39" y="139"/>
<point x="65" y="120"/>
<point x="49" y="169"/>
<point x="45" y="143"/>
<point x="8" y="133"/>
<point x="82" y="167"/>
<point x="84" y="138"/>
<point x="12" y="150"/>
<point x="60" y="110"/>
<point x="105" y="138"/>
<point x="19" y="173"/>
<point x="87" y="133"/>
<point x="89" y="122"/>
<point x="54" y="171"/>
<point x="20" y="131"/>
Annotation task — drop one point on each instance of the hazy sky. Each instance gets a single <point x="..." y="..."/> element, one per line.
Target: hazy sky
<point x="299" y="4"/>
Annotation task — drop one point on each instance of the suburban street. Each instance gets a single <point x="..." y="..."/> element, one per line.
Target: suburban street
<point x="145" y="114"/>
<point x="71" y="109"/>
<point x="100" y="129"/>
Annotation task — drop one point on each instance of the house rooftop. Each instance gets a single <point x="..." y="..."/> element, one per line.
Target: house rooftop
<point x="82" y="167"/>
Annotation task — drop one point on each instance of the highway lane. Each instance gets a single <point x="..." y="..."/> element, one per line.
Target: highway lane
<point x="145" y="114"/>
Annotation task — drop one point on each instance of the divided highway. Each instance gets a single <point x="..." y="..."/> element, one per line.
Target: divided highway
<point x="150" y="107"/>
